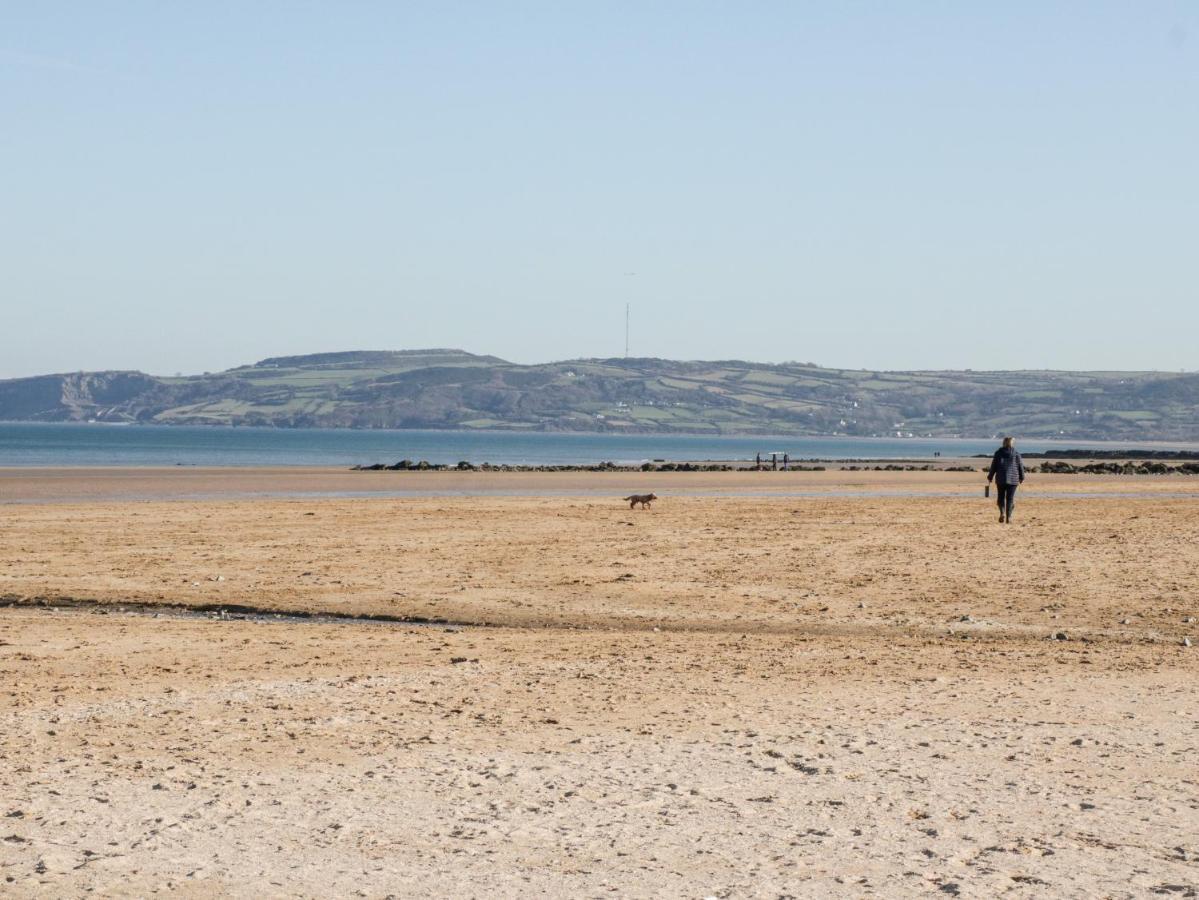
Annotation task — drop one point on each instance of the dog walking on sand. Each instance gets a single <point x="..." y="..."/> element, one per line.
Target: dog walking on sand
<point x="644" y="499"/>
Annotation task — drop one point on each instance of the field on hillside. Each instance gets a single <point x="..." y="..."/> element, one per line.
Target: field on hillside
<point x="454" y="389"/>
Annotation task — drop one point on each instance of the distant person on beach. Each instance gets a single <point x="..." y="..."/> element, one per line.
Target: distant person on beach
<point x="1007" y="471"/>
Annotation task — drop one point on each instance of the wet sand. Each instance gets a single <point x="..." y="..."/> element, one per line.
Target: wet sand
<point x="723" y="696"/>
<point x="64" y="485"/>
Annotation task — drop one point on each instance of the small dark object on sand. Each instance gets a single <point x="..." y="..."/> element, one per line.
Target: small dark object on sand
<point x="644" y="499"/>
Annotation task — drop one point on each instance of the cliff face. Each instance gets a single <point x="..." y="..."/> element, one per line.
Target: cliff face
<point x="453" y="389"/>
<point x="108" y="396"/>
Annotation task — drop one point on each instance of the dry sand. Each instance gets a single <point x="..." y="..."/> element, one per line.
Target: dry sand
<point x="725" y="696"/>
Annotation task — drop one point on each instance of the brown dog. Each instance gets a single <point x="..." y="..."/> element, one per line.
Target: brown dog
<point x="644" y="499"/>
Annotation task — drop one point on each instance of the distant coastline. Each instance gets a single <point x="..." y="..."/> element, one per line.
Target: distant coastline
<point x="445" y="389"/>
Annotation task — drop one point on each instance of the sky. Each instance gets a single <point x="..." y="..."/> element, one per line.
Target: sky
<point x="190" y="187"/>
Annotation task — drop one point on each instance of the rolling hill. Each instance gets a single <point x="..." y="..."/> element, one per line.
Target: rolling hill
<point x="455" y="389"/>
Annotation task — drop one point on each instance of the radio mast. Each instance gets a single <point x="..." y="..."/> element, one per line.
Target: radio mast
<point x="626" y="331"/>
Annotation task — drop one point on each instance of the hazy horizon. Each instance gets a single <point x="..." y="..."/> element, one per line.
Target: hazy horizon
<point x="932" y="188"/>
<point x="632" y="357"/>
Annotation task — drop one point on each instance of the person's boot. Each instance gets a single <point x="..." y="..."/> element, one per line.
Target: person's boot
<point x="1002" y="518"/>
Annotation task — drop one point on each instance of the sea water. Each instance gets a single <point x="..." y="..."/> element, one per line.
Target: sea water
<point x="83" y="444"/>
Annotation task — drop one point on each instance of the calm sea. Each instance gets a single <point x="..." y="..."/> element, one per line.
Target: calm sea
<point x="27" y="444"/>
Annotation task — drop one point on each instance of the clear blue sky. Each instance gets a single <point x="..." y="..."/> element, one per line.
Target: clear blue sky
<point x="187" y="187"/>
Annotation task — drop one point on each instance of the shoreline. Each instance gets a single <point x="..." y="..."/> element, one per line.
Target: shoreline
<point x="31" y="486"/>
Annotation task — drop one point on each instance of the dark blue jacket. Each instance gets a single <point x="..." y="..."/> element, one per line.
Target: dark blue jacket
<point x="1006" y="466"/>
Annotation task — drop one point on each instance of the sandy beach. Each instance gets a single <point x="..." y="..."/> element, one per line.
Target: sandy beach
<point x="70" y="484"/>
<point x="344" y="344"/>
<point x="771" y="684"/>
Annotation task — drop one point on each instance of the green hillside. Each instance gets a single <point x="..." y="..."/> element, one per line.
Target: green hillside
<point x="454" y="389"/>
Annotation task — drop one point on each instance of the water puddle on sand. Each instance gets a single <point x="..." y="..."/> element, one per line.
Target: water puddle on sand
<point x="221" y="613"/>
<point x="951" y="630"/>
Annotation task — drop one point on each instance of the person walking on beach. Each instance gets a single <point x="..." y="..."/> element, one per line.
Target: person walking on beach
<point x="1007" y="471"/>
